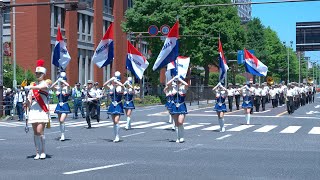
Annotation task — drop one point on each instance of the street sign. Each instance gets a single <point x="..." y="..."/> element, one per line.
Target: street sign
<point x="153" y="30"/>
<point x="240" y="56"/>
<point x="165" y="29"/>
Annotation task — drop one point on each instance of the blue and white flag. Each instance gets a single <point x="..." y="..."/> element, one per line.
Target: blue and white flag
<point x="179" y="67"/>
<point x="253" y="65"/>
<point x="223" y="66"/>
<point x="61" y="57"/>
<point x="104" y="54"/>
<point x="170" y="49"/>
<point x="136" y="62"/>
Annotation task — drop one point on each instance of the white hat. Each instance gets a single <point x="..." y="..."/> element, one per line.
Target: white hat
<point x="40" y="67"/>
<point x="129" y="78"/>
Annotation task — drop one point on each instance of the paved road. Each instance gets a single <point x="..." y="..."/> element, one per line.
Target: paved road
<point x="275" y="146"/>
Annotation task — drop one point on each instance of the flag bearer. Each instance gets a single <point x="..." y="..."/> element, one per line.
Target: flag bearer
<point x="220" y="107"/>
<point x="128" y="101"/>
<point x="247" y="101"/>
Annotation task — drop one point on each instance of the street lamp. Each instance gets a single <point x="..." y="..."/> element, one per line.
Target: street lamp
<point x="284" y="43"/>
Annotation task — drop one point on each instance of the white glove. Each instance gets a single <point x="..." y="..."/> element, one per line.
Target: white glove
<point x="60" y="79"/>
<point x="27" y="88"/>
<point x="219" y="84"/>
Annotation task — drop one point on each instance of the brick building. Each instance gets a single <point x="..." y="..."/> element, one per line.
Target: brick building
<point x="36" y="29"/>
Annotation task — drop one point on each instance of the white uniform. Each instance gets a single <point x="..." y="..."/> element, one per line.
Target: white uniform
<point x="36" y="114"/>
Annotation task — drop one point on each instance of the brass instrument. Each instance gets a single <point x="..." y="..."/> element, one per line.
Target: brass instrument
<point x="310" y="80"/>
<point x="270" y="80"/>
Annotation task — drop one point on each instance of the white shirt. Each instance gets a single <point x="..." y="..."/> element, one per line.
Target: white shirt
<point x="257" y="91"/>
<point x="273" y="93"/>
<point x="230" y="92"/>
<point x="290" y="92"/>
<point x="264" y="92"/>
<point x="220" y="93"/>
<point x="236" y="92"/>
<point x="19" y="97"/>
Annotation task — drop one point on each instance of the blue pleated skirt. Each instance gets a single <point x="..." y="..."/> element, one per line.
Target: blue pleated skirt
<point x="128" y="105"/>
<point x="222" y="108"/>
<point x="247" y="104"/>
<point x="182" y="109"/>
<point x="115" y="110"/>
<point x="65" y="108"/>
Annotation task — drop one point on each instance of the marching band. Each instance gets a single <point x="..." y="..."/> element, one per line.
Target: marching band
<point x="254" y="95"/>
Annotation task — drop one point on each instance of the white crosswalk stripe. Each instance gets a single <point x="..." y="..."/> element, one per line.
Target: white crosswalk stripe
<point x="168" y="126"/>
<point x="265" y="128"/>
<point x="314" y="130"/>
<point x="240" y="128"/>
<point x="187" y="126"/>
<point x="193" y="126"/>
<point x="149" y="125"/>
<point x="215" y="127"/>
<point x="290" y="129"/>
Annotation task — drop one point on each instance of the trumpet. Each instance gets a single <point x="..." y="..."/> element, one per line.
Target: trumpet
<point x="270" y="80"/>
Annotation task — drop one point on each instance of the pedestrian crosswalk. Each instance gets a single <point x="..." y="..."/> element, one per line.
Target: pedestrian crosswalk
<point x="187" y="126"/>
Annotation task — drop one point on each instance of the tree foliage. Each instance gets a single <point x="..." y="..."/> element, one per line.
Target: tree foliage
<point x="200" y="29"/>
<point x="21" y="75"/>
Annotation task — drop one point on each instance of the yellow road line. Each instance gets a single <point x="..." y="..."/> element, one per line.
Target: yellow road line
<point x="281" y="113"/>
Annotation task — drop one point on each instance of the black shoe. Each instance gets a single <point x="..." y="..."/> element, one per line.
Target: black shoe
<point x="98" y="119"/>
<point x="83" y="116"/>
<point x="89" y="127"/>
<point x="76" y="117"/>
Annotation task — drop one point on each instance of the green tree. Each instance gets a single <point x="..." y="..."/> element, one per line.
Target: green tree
<point x="21" y="75"/>
<point x="209" y="23"/>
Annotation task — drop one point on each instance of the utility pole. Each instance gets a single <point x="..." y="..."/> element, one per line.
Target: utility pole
<point x="69" y="6"/>
<point x="299" y="67"/>
<point x="14" y="46"/>
<point x="1" y="58"/>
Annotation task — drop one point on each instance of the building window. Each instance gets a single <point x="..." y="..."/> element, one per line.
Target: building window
<point x="6" y="15"/>
<point x="130" y="4"/>
<point x="63" y="15"/>
<point x="83" y="23"/>
<point x="56" y="16"/>
<point x="89" y="24"/>
<point x="108" y="6"/>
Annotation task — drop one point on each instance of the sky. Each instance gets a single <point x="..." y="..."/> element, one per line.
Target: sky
<point x="282" y="18"/>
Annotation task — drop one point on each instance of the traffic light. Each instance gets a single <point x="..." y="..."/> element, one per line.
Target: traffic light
<point x="76" y="6"/>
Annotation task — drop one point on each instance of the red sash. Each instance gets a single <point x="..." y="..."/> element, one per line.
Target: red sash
<point x="40" y="100"/>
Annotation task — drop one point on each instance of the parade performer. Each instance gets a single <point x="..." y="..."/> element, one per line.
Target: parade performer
<point x="247" y="101"/>
<point x="62" y="108"/>
<point x="37" y="103"/>
<point x="230" y="93"/>
<point x="220" y="107"/>
<point x="179" y="108"/>
<point x="128" y="103"/>
<point x="115" y="108"/>
<point x="91" y="100"/>
<point x="169" y="103"/>
<point x="237" y="95"/>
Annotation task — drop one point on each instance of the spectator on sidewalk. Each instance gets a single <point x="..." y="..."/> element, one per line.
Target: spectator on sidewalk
<point x="8" y="102"/>
<point x="19" y="99"/>
<point x="77" y="95"/>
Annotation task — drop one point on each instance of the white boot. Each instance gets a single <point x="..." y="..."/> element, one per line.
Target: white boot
<point x="178" y="134"/>
<point x="173" y="125"/>
<point x="128" y="126"/>
<point x="62" y="138"/>
<point x="170" y="119"/>
<point x="221" y="123"/>
<point x="248" y="118"/>
<point x="37" y="145"/>
<point x="43" y="147"/>
<point x="116" y="128"/>
<point x="181" y="132"/>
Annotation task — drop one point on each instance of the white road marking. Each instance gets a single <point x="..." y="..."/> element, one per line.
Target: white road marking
<point x="133" y="134"/>
<point x="262" y="111"/>
<point x="2" y="139"/>
<point x="135" y="123"/>
<point x="185" y="149"/>
<point x="110" y="124"/>
<point x="290" y="129"/>
<point x="149" y="125"/>
<point x="75" y="145"/>
<point x="166" y="126"/>
<point x="193" y="126"/>
<point x="265" y="128"/>
<point x="82" y="124"/>
<point x="8" y="124"/>
<point x="317" y="106"/>
<point x="223" y="137"/>
<point x="315" y="130"/>
<point x="240" y="128"/>
<point x="97" y="168"/>
<point x="215" y="127"/>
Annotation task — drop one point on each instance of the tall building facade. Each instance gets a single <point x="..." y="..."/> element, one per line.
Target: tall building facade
<point x="244" y="11"/>
<point x="36" y="30"/>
